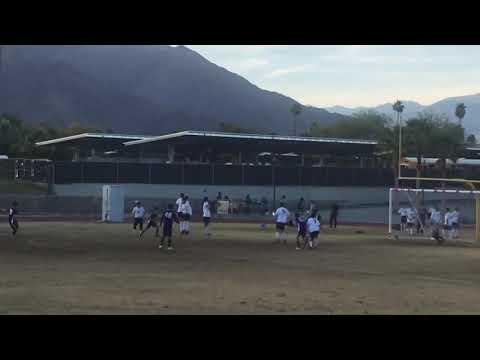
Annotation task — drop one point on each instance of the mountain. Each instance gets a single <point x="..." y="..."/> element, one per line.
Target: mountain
<point x="139" y="89"/>
<point x="411" y="109"/>
<point x="445" y="107"/>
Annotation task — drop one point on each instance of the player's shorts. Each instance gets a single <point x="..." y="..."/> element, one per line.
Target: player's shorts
<point x="447" y="227"/>
<point x="206" y="221"/>
<point x="184" y="217"/>
<point x="455" y="225"/>
<point x="12" y="221"/>
<point x="302" y="233"/>
<point x="403" y="219"/>
<point x="152" y="223"/>
<point x="410" y="224"/>
<point x="167" y="231"/>
<point x="314" y="235"/>
<point x="280" y="226"/>
<point x="138" y="221"/>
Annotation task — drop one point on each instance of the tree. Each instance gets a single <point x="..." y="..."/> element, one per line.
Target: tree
<point x="296" y="110"/>
<point x="368" y="125"/>
<point x="471" y="140"/>
<point x="460" y="111"/>
<point x="449" y="140"/>
<point x="418" y="135"/>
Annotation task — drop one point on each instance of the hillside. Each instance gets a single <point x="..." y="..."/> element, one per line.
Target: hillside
<point x="142" y="89"/>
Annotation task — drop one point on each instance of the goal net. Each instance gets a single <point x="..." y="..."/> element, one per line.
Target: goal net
<point x="441" y="215"/>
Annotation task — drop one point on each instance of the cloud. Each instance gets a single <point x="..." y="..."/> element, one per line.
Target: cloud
<point x="276" y="73"/>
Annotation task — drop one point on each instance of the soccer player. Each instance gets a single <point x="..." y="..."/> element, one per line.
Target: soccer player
<point x="152" y="222"/>
<point x="447" y="224"/>
<point x="435" y="223"/>
<point x="168" y="217"/>
<point x="185" y="215"/>
<point x="281" y="215"/>
<point x="403" y="218"/>
<point x="455" y="222"/>
<point x="301" y="221"/>
<point x="179" y="203"/>
<point x="138" y="213"/>
<point x="313" y="227"/>
<point x="206" y="217"/>
<point x="12" y="218"/>
<point x="411" y="219"/>
<point x="421" y="221"/>
<point x="333" y="216"/>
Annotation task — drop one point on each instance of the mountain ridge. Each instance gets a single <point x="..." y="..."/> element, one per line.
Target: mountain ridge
<point x="444" y="107"/>
<point x="149" y="89"/>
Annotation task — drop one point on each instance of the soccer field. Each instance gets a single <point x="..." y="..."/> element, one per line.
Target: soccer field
<point x="93" y="268"/>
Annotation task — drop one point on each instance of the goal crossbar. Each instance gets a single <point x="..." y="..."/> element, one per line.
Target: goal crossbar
<point x="437" y="190"/>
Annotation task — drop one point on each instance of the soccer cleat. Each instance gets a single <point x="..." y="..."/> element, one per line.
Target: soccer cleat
<point x="170" y="248"/>
<point x="298" y="248"/>
<point x="160" y="246"/>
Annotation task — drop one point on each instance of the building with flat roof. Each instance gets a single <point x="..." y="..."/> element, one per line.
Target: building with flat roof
<point x="218" y="147"/>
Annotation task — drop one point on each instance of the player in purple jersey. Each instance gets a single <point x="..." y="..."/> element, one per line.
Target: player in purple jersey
<point x="168" y="217"/>
<point x="12" y="218"/>
<point x="301" y="221"/>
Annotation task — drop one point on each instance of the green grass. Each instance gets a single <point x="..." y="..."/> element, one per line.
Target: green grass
<point x="14" y="187"/>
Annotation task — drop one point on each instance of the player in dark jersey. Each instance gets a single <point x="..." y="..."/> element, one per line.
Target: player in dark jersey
<point x="152" y="222"/>
<point x="301" y="221"/>
<point x="12" y="218"/>
<point x="168" y="217"/>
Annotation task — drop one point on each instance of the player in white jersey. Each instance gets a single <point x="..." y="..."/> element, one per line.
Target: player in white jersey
<point x="207" y="215"/>
<point x="281" y="215"/>
<point x="455" y="217"/>
<point x="179" y="203"/>
<point x="138" y="213"/>
<point x="185" y="216"/>
<point x="411" y="219"/>
<point x="403" y="218"/>
<point x="447" y="224"/>
<point x="313" y="228"/>
<point x="435" y="224"/>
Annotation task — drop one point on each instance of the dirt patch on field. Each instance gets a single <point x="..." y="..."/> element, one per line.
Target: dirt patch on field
<point x="91" y="268"/>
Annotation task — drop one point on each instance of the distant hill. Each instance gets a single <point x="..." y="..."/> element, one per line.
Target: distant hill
<point x="140" y="89"/>
<point x="471" y="121"/>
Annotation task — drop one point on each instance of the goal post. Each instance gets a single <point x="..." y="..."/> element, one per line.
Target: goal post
<point x="467" y="202"/>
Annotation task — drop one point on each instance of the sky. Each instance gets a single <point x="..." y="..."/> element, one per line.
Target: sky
<point x="355" y="75"/>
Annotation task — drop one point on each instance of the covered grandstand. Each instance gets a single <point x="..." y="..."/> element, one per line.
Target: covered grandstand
<point x="219" y="158"/>
<point x="218" y="147"/>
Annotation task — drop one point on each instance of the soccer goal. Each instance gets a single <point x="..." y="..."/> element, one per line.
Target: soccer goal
<point x="435" y="214"/>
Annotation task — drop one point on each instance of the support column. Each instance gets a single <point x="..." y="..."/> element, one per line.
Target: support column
<point x="240" y="157"/>
<point x="302" y="159"/>
<point x="76" y="155"/>
<point x="171" y="153"/>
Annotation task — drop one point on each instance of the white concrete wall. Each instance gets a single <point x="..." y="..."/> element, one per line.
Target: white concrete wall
<point x="356" y="195"/>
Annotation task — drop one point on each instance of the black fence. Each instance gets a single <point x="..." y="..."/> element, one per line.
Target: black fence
<point x="193" y="174"/>
<point x="25" y="169"/>
<point x="215" y="174"/>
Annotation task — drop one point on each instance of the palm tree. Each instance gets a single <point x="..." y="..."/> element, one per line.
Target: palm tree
<point x="460" y="111"/>
<point x="296" y="110"/>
